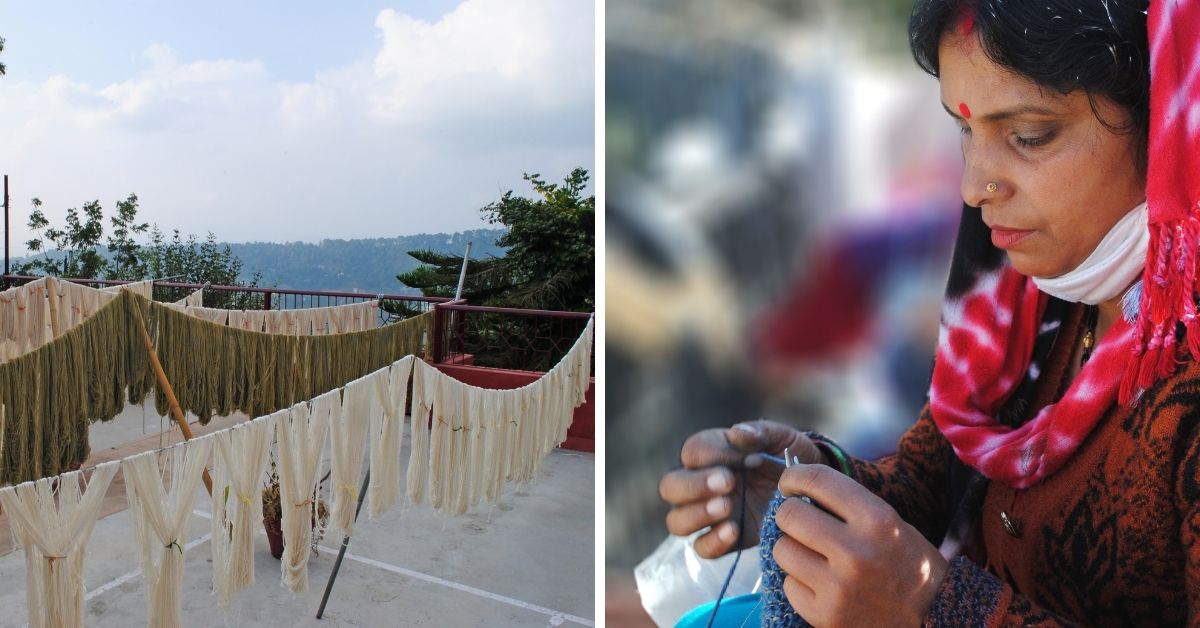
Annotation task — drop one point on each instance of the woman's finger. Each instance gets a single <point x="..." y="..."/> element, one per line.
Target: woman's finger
<point x="772" y="437"/>
<point x="684" y="520"/>
<point x="708" y="449"/>
<point x="802" y="598"/>
<point x="835" y="492"/>
<point x="799" y="561"/>
<point x="812" y="527"/>
<point x="684" y="486"/>
<point x="717" y="542"/>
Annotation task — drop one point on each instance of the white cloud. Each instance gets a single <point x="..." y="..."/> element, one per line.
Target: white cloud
<point x="506" y="55"/>
<point x="427" y="127"/>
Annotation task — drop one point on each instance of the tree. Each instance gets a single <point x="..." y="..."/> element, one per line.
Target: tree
<point x="550" y="257"/>
<point x="75" y="251"/>
<point x="126" y="254"/>
<point x="188" y="260"/>
<point x="551" y="244"/>
<point x="1" y="50"/>
<point x="77" y="241"/>
<point x="549" y="264"/>
<point x="486" y="280"/>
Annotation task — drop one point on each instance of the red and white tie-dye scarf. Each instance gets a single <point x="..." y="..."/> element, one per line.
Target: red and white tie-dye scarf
<point x="985" y="350"/>
<point x="995" y="323"/>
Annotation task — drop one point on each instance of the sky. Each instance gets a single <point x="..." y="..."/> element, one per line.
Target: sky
<point x="300" y="120"/>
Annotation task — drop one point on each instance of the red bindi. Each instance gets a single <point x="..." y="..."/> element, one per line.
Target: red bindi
<point x="964" y="110"/>
<point x="966" y="21"/>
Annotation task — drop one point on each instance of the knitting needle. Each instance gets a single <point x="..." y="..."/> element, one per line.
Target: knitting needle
<point x="783" y="461"/>
<point x="788" y="461"/>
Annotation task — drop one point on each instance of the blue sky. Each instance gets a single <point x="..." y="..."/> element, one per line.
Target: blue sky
<point x="294" y="120"/>
<point x="292" y="39"/>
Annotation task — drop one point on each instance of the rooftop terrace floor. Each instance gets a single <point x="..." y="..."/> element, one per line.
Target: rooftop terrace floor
<point x="526" y="561"/>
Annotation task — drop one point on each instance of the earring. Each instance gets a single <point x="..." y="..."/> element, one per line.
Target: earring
<point x="991" y="188"/>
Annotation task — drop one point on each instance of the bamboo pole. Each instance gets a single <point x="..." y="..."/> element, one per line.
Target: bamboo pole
<point x="165" y="385"/>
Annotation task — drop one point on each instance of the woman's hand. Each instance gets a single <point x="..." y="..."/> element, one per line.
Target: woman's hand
<point x="856" y="562"/>
<point x="706" y="493"/>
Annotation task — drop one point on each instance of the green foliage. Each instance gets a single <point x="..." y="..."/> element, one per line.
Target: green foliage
<point x="188" y="260"/>
<point x="438" y="276"/>
<point x="551" y="245"/>
<point x="79" y="239"/>
<point x="549" y="264"/>
<point x="1" y="50"/>
<point x="550" y="258"/>
<point x="75" y="251"/>
<point x="126" y="259"/>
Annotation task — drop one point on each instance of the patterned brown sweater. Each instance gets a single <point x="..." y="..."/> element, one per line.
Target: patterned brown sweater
<point x="1111" y="539"/>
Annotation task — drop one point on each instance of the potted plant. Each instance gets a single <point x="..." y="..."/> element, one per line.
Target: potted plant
<point x="273" y="514"/>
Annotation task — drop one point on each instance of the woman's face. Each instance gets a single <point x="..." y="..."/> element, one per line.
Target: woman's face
<point x="1062" y="179"/>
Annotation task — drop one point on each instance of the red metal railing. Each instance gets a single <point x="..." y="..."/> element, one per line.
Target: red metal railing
<point x="500" y="337"/>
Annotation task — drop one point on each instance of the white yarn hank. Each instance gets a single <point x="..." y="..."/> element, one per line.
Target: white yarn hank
<point x="439" y="440"/>
<point x="424" y="376"/>
<point x="195" y="299"/>
<point x="54" y="534"/>
<point x="301" y="432"/>
<point x="212" y="315"/>
<point x="143" y="288"/>
<point x="467" y="441"/>
<point x="239" y="466"/>
<point x="248" y="320"/>
<point x="160" y="522"/>
<point x="453" y="463"/>
<point x="477" y="426"/>
<point x="386" y="436"/>
<point x="347" y="436"/>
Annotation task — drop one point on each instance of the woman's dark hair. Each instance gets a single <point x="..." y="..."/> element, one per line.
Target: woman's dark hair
<point x="1098" y="46"/>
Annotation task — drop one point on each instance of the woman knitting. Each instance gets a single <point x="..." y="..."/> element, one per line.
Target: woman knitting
<point x="1054" y="475"/>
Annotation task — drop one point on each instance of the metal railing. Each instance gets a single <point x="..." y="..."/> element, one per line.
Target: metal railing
<point x="501" y="337"/>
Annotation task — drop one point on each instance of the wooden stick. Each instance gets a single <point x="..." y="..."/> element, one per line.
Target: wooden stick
<point x="165" y="385"/>
<point x="52" y="295"/>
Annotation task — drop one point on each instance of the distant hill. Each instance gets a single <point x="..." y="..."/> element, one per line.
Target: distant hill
<point x="366" y="265"/>
<point x="363" y="265"/>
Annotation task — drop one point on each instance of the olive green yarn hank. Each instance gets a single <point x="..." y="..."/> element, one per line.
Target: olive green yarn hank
<point x="52" y="394"/>
<point x="216" y="369"/>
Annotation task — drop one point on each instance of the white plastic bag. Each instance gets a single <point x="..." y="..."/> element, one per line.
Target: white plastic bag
<point x="674" y="579"/>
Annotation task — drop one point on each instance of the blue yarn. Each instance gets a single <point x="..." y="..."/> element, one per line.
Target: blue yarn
<point x="736" y="557"/>
<point x="777" y="612"/>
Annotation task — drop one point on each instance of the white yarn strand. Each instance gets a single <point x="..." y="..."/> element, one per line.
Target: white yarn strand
<point x="160" y="522"/>
<point x="478" y="431"/>
<point x="460" y="461"/>
<point x="386" y="431"/>
<point x="301" y="434"/>
<point x="418" y="458"/>
<point x="240" y="464"/>
<point x="54" y="534"/>
<point x="348" y="435"/>
<point x="439" y="443"/>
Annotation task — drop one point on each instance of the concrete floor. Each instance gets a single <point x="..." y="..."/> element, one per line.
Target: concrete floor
<point x="527" y="561"/>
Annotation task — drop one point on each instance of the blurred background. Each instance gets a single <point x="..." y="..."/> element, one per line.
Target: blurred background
<point x="782" y="196"/>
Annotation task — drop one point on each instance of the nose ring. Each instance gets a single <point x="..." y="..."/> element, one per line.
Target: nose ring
<point x="991" y="188"/>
